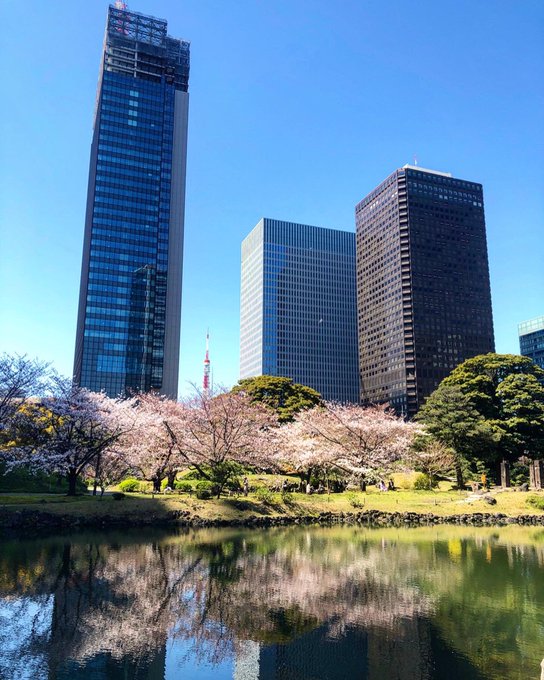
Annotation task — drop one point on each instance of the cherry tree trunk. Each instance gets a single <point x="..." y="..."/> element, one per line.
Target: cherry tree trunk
<point x="96" y="473"/>
<point x="72" y="481"/>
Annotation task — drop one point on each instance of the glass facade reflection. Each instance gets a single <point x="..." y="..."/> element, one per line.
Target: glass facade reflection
<point x="424" y="299"/>
<point x="130" y="295"/>
<point x="298" y="310"/>
<point x="531" y="340"/>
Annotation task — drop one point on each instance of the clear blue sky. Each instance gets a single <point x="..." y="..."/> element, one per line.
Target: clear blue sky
<point x="298" y="109"/>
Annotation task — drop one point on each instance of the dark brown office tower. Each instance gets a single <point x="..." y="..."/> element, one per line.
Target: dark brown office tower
<point x="423" y="295"/>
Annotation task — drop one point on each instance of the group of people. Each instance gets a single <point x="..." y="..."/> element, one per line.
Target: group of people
<point x="310" y="489"/>
<point x="283" y="486"/>
<point x="382" y="486"/>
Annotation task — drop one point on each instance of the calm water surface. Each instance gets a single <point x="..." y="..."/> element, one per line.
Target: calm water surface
<point x="280" y="604"/>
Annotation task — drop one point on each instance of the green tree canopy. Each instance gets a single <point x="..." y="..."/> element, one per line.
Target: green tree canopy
<point x="522" y="410"/>
<point x="489" y="407"/>
<point x="450" y="417"/>
<point x="507" y="391"/>
<point x="481" y="376"/>
<point x="281" y="394"/>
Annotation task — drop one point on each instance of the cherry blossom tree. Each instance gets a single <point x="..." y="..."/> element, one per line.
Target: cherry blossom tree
<point x="109" y="467"/>
<point x="217" y="434"/>
<point x="67" y="431"/>
<point x="358" y="440"/>
<point x="148" y="446"/>
<point x="431" y="457"/>
<point x="304" y="449"/>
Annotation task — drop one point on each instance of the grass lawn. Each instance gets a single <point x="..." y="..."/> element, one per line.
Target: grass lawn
<point x="440" y="502"/>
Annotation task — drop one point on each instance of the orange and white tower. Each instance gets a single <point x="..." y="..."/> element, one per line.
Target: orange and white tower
<point x="206" y="378"/>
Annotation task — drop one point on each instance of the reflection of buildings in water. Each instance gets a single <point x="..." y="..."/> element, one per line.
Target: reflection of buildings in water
<point x="361" y="612"/>
<point x="95" y="633"/>
<point x="411" y="650"/>
<point x="106" y="667"/>
<point x="247" y="660"/>
<point x="403" y="652"/>
<point x="358" y="654"/>
<point x="312" y="655"/>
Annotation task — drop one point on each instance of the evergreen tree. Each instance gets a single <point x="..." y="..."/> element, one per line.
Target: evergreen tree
<point x="286" y="397"/>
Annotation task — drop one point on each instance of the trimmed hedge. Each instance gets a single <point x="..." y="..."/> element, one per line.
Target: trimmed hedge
<point x="129" y="485"/>
<point x="184" y="487"/>
<point x="204" y="490"/>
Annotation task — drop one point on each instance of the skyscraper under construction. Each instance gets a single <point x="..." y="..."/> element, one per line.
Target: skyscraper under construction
<point x="128" y="328"/>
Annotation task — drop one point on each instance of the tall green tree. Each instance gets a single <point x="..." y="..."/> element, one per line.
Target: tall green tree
<point x="450" y="417"/>
<point x="522" y="411"/>
<point x="481" y="376"/>
<point x="283" y="395"/>
<point x="507" y="391"/>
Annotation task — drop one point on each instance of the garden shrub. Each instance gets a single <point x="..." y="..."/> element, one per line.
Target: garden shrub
<point x="129" y="485"/>
<point x="404" y="480"/>
<point x="184" y="487"/>
<point x="423" y="483"/>
<point x="264" y="494"/>
<point x="204" y="490"/>
<point x="193" y="475"/>
<point x="354" y="500"/>
<point x="164" y="484"/>
<point x="536" y="502"/>
<point x="234" y="485"/>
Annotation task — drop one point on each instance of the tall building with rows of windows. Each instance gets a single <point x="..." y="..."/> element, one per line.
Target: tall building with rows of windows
<point x="128" y="328"/>
<point x="531" y="339"/>
<point x="424" y="300"/>
<point x="298" y="307"/>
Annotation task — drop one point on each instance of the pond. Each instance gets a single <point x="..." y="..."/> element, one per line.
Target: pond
<point x="294" y="603"/>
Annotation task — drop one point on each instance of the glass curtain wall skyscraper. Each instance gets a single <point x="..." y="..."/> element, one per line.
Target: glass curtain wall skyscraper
<point x="298" y="307"/>
<point x="129" y="315"/>
<point x="531" y="339"/>
<point x="423" y="292"/>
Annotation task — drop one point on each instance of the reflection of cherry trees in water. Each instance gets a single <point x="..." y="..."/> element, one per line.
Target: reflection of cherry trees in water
<point x="344" y="584"/>
<point x="105" y="599"/>
<point x="216" y="589"/>
<point x="24" y="631"/>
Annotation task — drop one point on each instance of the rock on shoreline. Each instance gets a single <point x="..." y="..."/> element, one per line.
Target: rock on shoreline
<point x="39" y="520"/>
